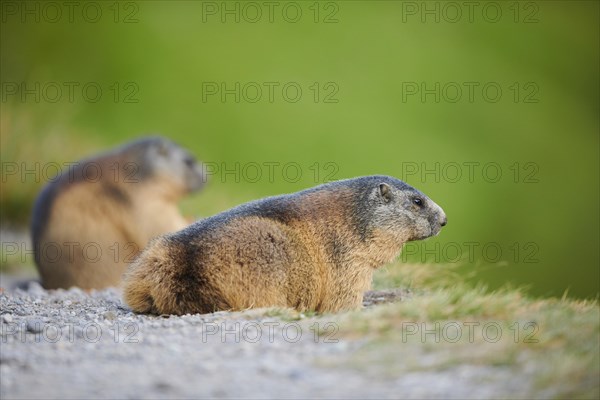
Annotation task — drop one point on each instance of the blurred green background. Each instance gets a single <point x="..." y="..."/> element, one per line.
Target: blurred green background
<point x="361" y="66"/>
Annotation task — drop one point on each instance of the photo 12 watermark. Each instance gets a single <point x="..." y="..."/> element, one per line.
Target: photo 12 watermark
<point x="37" y="331"/>
<point x="453" y="12"/>
<point x="270" y="171"/>
<point x="69" y="252"/>
<point x="69" y="92"/>
<point x="52" y="12"/>
<point x="270" y="92"/>
<point x="252" y="12"/>
<point x="254" y="332"/>
<point x="526" y="252"/>
<point x="517" y="172"/>
<point x="453" y="331"/>
<point x="469" y="92"/>
<point x="89" y="171"/>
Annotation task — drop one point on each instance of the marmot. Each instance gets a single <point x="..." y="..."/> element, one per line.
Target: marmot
<point x="94" y="218"/>
<point x="312" y="250"/>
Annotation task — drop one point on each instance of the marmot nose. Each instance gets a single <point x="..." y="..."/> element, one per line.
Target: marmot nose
<point x="444" y="221"/>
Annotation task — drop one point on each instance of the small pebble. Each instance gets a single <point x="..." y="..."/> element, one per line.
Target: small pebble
<point x="110" y="315"/>
<point x="35" y="326"/>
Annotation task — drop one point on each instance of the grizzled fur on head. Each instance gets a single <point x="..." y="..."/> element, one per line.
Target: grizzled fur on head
<point x="387" y="203"/>
<point x="158" y="157"/>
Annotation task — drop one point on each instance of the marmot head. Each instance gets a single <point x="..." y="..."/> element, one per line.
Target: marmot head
<point x="160" y="158"/>
<point x="401" y="210"/>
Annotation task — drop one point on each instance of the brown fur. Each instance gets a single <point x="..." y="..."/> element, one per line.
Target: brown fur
<point x="313" y="250"/>
<point x="112" y="217"/>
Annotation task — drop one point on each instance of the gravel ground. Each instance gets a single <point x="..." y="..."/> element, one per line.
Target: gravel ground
<point x="71" y="344"/>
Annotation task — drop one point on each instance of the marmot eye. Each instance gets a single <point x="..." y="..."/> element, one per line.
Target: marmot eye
<point x="189" y="162"/>
<point x="418" y="201"/>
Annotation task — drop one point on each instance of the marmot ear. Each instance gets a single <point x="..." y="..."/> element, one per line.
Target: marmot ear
<point x="385" y="191"/>
<point x="163" y="148"/>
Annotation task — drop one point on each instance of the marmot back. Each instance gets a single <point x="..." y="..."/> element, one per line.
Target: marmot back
<point x="93" y="219"/>
<point x="312" y="250"/>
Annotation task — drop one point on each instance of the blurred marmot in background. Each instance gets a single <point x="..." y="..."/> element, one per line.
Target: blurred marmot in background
<point x="312" y="250"/>
<point x="93" y="219"/>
